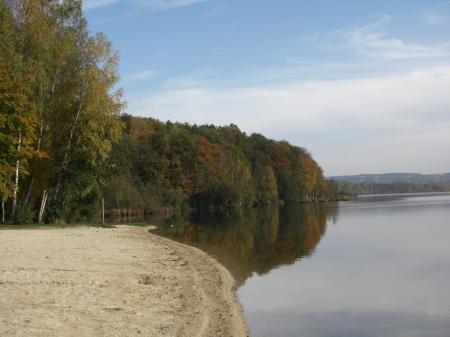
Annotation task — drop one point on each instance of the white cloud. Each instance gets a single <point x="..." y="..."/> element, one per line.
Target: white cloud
<point x="387" y="123"/>
<point x="160" y="5"/>
<point x="149" y="5"/>
<point x="371" y="40"/>
<point x="143" y="75"/>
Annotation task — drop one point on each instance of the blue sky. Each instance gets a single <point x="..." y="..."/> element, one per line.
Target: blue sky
<point x="363" y="85"/>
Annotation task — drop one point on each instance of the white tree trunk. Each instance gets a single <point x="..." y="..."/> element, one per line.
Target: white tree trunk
<point x="16" y="177"/>
<point x="30" y="187"/>
<point x="38" y="148"/>
<point x="69" y="145"/>
<point x="43" y="203"/>
<point x="3" y="209"/>
<point x="41" y="132"/>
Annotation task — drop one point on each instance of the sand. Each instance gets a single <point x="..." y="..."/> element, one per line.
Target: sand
<point x="121" y="281"/>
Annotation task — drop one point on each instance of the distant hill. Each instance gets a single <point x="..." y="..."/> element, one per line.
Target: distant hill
<point x="387" y="178"/>
<point x="392" y="183"/>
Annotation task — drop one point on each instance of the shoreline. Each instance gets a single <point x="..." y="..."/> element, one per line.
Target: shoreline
<point x="122" y="281"/>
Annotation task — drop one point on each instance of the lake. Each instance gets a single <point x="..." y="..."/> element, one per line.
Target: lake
<point x="376" y="266"/>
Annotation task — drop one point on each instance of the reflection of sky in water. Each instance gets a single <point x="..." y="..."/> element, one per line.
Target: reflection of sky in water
<point x="383" y="269"/>
<point x="349" y="324"/>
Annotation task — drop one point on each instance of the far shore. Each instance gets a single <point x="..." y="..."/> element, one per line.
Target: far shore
<point x="124" y="281"/>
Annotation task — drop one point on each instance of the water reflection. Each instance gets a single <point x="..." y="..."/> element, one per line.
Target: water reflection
<point x="382" y="270"/>
<point x="253" y="240"/>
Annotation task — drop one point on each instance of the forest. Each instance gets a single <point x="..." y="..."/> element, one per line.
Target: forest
<point x="67" y="145"/>
<point x="157" y="164"/>
<point x="391" y="183"/>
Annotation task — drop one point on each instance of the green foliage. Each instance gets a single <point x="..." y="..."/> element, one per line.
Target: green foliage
<point x="17" y="110"/>
<point x="289" y="190"/>
<point x="171" y="164"/>
<point x="214" y="195"/>
<point x="59" y="111"/>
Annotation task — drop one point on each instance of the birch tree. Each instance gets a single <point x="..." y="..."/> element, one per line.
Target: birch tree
<point x="17" y="111"/>
<point x="60" y="114"/>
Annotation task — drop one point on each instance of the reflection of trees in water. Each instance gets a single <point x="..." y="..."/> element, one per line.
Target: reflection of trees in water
<point x="255" y="240"/>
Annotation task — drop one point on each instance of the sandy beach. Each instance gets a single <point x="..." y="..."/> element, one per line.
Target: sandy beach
<point x="121" y="281"/>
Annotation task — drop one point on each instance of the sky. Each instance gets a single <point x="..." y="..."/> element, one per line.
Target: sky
<point x="363" y="85"/>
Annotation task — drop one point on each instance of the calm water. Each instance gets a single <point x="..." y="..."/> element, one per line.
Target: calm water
<point x="378" y="266"/>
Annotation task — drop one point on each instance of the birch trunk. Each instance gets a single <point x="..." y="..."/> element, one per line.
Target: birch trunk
<point x="30" y="187"/>
<point x="43" y="203"/>
<point x="38" y="148"/>
<point x="69" y="145"/>
<point x="3" y="209"/>
<point x="41" y="135"/>
<point x="16" y="178"/>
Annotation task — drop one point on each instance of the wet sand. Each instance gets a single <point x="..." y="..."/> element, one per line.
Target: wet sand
<point x="112" y="282"/>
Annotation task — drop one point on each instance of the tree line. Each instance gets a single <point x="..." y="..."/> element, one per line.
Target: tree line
<point x="66" y="144"/>
<point x="353" y="188"/>
<point x="158" y="164"/>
